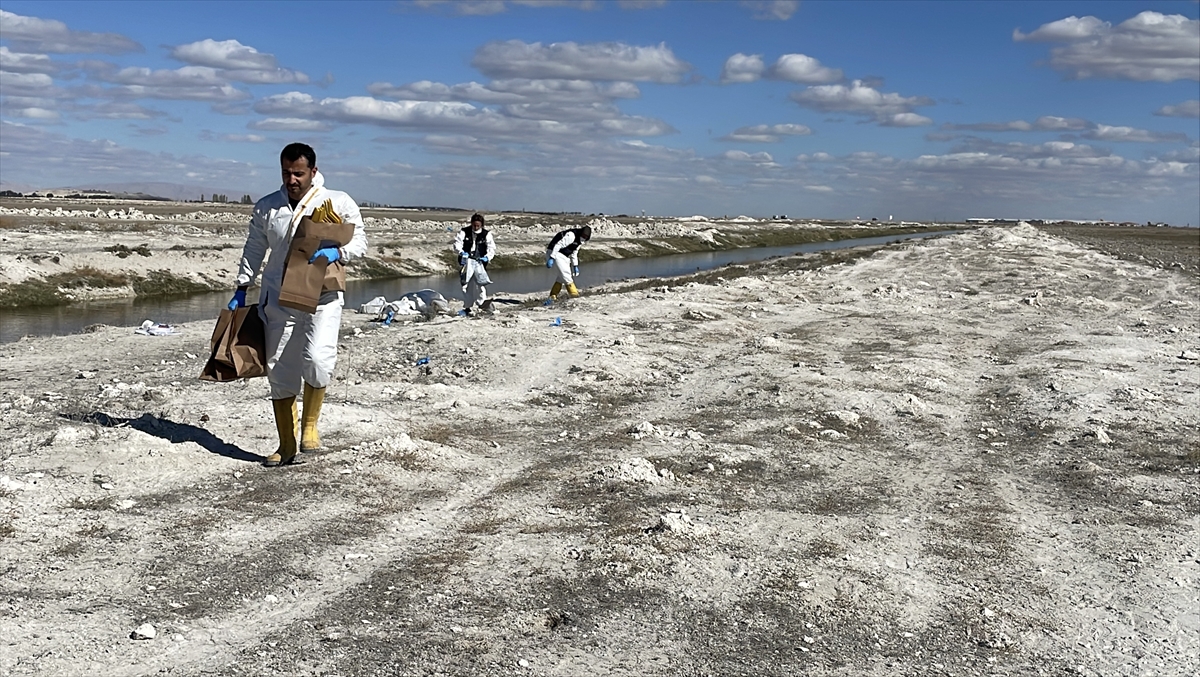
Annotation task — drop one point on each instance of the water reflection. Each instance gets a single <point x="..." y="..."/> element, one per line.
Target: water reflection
<point x="132" y="312"/>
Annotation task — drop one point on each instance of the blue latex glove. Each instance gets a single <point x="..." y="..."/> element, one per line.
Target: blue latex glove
<point x="576" y="270"/>
<point x="549" y="263"/>
<point x="238" y="300"/>
<point x="331" y="254"/>
<point x="483" y="259"/>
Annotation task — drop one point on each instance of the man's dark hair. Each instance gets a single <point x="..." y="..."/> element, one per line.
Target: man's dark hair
<point x="478" y="217"/>
<point x="586" y="232"/>
<point x="295" y="151"/>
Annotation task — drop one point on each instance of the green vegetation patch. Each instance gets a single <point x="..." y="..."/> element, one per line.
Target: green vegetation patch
<point x="54" y="290"/>
<point x="166" y="283"/>
<point x="123" y="252"/>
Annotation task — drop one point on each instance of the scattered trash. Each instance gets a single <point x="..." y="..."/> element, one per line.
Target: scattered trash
<point x="149" y="328"/>
<point x="143" y="631"/>
<point x="557" y="322"/>
<point x="548" y="302"/>
<point x="423" y="360"/>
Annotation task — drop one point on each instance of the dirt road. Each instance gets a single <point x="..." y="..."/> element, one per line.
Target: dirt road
<point x="972" y="455"/>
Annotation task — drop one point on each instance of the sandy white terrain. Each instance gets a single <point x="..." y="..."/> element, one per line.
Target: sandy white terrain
<point x="971" y="455"/>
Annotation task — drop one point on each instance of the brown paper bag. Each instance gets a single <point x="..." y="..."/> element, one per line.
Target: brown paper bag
<point x="239" y="346"/>
<point x="303" y="282"/>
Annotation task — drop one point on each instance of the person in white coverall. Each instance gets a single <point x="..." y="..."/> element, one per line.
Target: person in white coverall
<point x="475" y="246"/>
<point x="562" y="254"/>
<point x="301" y="347"/>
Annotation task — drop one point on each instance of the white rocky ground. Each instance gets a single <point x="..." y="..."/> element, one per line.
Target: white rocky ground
<point x="975" y="455"/>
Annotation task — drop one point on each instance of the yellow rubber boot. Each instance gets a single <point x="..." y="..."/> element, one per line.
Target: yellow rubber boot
<point x="556" y="290"/>
<point x="310" y="440"/>
<point x="573" y="291"/>
<point x="285" y="425"/>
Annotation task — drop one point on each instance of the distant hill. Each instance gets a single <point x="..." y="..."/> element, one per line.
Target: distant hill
<point x="151" y="190"/>
<point x="162" y="189"/>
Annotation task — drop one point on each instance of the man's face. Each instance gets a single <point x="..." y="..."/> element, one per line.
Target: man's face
<point x="297" y="177"/>
<point x="477" y="226"/>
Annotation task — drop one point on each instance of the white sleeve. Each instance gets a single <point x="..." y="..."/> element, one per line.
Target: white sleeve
<point x="347" y="208"/>
<point x="491" y="246"/>
<point x="459" y="240"/>
<point x="255" y="249"/>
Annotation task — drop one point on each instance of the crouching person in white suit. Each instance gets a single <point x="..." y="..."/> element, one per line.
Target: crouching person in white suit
<point x="301" y="347"/>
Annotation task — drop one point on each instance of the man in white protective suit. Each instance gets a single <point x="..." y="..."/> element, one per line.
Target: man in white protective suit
<point x="562" y="254"/>
<point x="475" y="246"/>
<point x="301" y="346"/>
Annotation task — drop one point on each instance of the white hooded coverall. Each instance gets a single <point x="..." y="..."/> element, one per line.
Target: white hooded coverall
<point x="475" y="291"/>
<point x="563" y="263"/>
<point x="301" y="347"/>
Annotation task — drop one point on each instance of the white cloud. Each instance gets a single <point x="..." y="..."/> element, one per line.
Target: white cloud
<point x="189" y="83"/>
<point x="771" y="10"/>
<point x="766" y="133"/>
<point x="887" y="109"/>
<point x="1055" y="123"/>
<point x="1148" y="47"/>
<point x="1046" y="123"/>
<point x="209" y="135"/>
<point x="905" y="120"/>
<point x="803" y="69"/>
<point x="743" y="156"/>
<point x="1023" y="151"/>
<point x="237" y="62"/>
<point x="1111" y="133"/>
<point x="490" y="7"/>
<point x="38" y="156"/>
<point x="574" y="61"/>
<point x="34" y="113"/>
<point x="465" y="7"/>
<point x="1064" y="30"/>
<point x="288" y="125"/>
<point x="517" y="91"/>
<point x="17" y="62"/>
<point x="453" y="117"/>
<point x="742" y="68"/>
<point x="1186" y="109"/>
<point x="31" y="34"/>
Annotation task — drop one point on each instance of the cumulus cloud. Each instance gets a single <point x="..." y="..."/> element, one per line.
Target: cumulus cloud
<point x="771" y="10"/>
<point x="18" y="62"/>
<point x="489" y="7"/>
<point x="449" y="116"/>
<point x="742" y="68"/>
<point x="189" y="83"/>
<point x="237" y="62"/>
<point x="889" y="109"/>
<point x="804" y="70"/>
<point x="38" y="156"/>
<point x="516" y="91"/>
<point x="1015" y="150"/>
<point x="1112" y="133"/>
<point x="31" y="34"/>
<point x="1148" y="47"/>
<point x="766" y="133"/>
<point x="574" y="61"/>
<point x="743" y="156"/>
<point x="1046" y="123"/>
<point x="288" y="125"/>
<point x="209" y="135"/>
<point x="1187" y="109"/>
<point x="904" y="120"/>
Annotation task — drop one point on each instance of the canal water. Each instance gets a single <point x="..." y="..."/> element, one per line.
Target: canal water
<point x="132" y="312"/>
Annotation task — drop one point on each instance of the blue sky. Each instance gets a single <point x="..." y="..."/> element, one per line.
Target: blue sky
<point x="917" y="110"/>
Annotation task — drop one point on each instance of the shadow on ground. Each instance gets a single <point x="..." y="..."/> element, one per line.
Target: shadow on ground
<point x="170" y="431"/>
